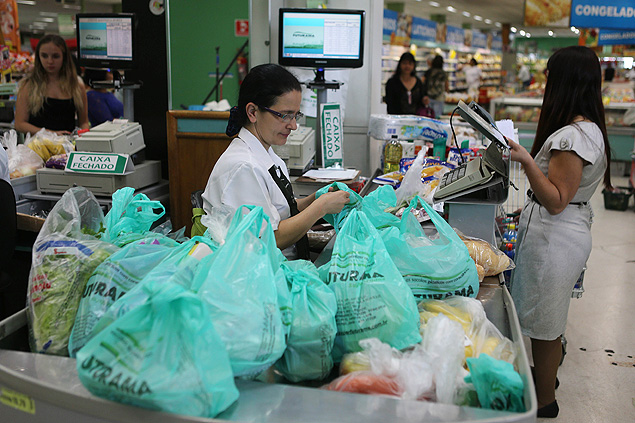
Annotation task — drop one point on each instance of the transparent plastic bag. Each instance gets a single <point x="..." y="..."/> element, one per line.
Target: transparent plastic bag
<point x="22" y="160"/>
<point x="484" y="254"/>
<point x="65" y="254"/>
<point x="46" y="144"/>
<point x="481" y="335"/>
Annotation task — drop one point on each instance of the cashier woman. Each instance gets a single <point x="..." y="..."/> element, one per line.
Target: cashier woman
<point x="250" y="172"/>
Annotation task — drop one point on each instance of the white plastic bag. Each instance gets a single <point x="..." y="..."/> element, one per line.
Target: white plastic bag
<point x="22" y="160"/>
<point x="47" y="144"/>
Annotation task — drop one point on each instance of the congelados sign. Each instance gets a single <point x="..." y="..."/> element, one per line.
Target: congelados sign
<point x="618" y="14"/>
<point x="97" y="163"/>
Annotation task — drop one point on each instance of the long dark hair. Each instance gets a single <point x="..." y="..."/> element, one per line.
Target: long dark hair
<point x="262" y="86"/>
<point x="573" y="89"/>
<point x="406" y="57"/>
<point x="437" y="62"/>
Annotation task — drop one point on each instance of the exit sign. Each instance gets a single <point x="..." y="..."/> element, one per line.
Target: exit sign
<point x="241" y="27"/>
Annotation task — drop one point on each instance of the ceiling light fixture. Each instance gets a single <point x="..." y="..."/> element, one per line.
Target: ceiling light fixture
<point x="467" y="14"/>
<point x="451" y="9"/>
<point x="478" y="18"/>
<point x="550" y="33"/>
<point x="46" y="19"/>
<point x="70" y="6"/>
<point x="528" y="35"/>
<point x="498" y="24"/>
<point x="488" y="21"/>
<point x="26" y="2"/>
<point x="522" y="33"/>
<point x="434" y="4"/>
<point x="513" y="29"/>
<point x="51" y="14"/>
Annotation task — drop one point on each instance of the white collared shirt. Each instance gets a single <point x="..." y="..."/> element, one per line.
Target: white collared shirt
<point x="241" y="176"/>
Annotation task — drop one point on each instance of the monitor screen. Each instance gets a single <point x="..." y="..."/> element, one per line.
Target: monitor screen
<point x="106" y="40"/>
<point x="321" y="38"/>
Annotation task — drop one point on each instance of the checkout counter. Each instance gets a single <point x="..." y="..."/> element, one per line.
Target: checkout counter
<point x="36" y="387"/>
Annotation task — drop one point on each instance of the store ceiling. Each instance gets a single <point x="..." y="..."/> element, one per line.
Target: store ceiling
<point x="40" y="16"/>
<point x="501" y="11"/>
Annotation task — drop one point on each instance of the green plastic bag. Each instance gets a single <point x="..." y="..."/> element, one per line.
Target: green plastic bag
<point x="498" y="386"/>
<point x="238" y="282"/>
<point x="354" y="203"/>
<point x="374" y="204"/>
<point x="373" y="300"/>
<point x="130" y="214"/>
<point x="434" y="268"/>
<point x="65" y="254"/>
<point x="313" y="327"/>
<point x="112" y="279"/>
<point x="178" y="267"/>
<point x="163" y="355"/>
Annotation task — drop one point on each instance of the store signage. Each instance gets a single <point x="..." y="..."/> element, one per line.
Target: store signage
<point x="615" y="14"/>
<point x="479" y="40"/>
<point x="241" y="27"/>
<point x="104" y="163"/>
<point x="609" y="37"/>
<point x="497" y="43"/>
<point x="390" y="23"/>
<point x="455" y="36"/>
<point x="423" y="30"/>
<point x="331" y="134"/>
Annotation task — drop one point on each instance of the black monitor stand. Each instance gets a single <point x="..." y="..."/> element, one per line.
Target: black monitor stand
<point x="320" y="85"/>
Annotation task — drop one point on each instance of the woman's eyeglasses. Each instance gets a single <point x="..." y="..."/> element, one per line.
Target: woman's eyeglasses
<point x="286" y="117"/>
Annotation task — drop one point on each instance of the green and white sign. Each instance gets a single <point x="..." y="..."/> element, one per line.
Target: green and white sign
<point x="331" y="131"/>
<point x="106" y="163"/>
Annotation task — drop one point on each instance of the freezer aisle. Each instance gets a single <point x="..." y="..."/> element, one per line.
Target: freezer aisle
<point x="597" y="377"/>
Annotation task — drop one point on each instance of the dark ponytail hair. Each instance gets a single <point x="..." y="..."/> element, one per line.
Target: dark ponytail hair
<point x="574" y="85"/>
<point x="262" y="86"/>
<point x="406" y="57"/>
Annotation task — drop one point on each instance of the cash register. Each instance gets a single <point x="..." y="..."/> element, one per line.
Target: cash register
<point x="486" y="178"/>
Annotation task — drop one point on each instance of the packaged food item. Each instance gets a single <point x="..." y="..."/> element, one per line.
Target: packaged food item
<point x="57" y="161"/>
<point x="493" y="260"/>
<point x="22" y="160"/>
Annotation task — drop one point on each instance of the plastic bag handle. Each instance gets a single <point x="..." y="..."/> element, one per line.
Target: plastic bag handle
<point x="442" y="226"/>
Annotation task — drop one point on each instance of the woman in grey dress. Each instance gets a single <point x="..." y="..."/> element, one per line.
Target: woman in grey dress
<point x="569" y="158"/>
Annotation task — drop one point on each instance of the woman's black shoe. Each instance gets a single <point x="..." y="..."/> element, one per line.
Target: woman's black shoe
<point x="549" y="411"/>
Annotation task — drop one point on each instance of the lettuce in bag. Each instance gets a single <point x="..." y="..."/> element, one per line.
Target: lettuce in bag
<point x="65" y="254"/>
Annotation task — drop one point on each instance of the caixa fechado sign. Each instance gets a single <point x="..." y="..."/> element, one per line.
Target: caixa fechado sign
<point x="108" y="163"/>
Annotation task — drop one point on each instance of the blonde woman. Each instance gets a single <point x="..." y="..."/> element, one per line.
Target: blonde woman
<point x="52" y="96"/>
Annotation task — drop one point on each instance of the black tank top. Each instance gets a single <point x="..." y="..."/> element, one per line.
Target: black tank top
<point x="56" y="114"/>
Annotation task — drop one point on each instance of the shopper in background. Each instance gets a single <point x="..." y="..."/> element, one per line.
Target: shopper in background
<point x="524" y="75"/>
<point x="569" y="158"/>
<point x="52" y="96"/>
<point x="404" y="90"/>
<point x="102" y="104"/>
<point x="473" y="76"/>
<point x="609" y="72"/>
<point x="250" y="172"/>
<point x="436" y="84"/>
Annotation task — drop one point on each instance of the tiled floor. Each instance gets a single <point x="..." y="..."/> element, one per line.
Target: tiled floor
<point x="597" y="377"/>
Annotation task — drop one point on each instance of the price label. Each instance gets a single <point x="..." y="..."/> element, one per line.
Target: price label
<point x="17" y="400"/>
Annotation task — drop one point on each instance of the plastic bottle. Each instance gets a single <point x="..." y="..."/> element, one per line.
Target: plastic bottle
<point x="393" y="151"/>
<point x="510" y="235"/>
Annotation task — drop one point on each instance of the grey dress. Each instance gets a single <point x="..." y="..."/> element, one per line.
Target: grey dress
<point x="553" y="249"/>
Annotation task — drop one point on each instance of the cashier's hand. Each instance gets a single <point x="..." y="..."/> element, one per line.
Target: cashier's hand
<point x="333" y="201"/>
<point x="518" y="152"/>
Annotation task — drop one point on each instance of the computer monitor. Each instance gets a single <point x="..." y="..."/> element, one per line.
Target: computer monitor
<point x="321" y="38"/>
<point x="106" y="40"/>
